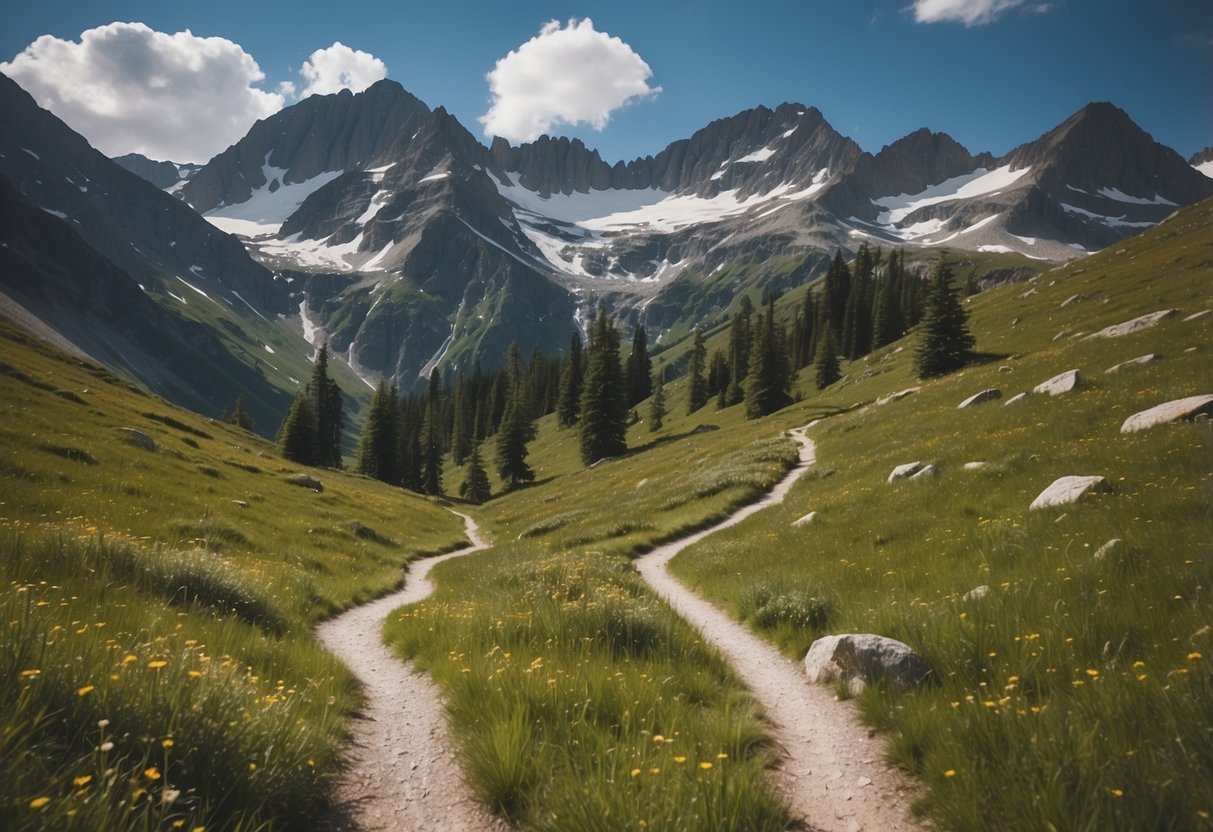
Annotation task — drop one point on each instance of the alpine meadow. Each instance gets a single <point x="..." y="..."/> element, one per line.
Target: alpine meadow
<point x="359" y="471"/>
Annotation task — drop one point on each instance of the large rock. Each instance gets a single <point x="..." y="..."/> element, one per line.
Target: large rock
<point x="1132" y="362"/>
<point x="977" y="398"/>
<point x="1129" y="327"/>
<point x="1171" y="411"/>
<point x="925" y="472"/>
<point x="858" y="659"/>
<point x="811" y="517"/>
<point x="903" y="471"/>
<point x="136" y="437"/>
<point x="1062" y="383"/>
<point x="1066" y="490"/>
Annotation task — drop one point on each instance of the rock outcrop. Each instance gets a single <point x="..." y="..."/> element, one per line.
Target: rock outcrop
<point x="860" y="659"/>
<point x="1172" y="411"/>
<point x="1066" y="490"/>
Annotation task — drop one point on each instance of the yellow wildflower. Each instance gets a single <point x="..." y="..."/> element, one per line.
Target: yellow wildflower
<point x="39" y="802"/>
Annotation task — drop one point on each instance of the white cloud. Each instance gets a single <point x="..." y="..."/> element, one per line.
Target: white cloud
<point x="968" y="12"/>
<point x="337" y="68"/>
<point x="564" y="75"/>
<point x="128" y="88"/>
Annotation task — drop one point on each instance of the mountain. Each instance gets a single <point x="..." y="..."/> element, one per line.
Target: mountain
<point x="1203" y="161"/>
<point x="105" y="261"/>
<point x="167" y="176"/>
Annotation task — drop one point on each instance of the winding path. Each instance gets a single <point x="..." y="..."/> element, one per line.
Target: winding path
<point x="402" y="771"/>
<point x="833" y="773"/>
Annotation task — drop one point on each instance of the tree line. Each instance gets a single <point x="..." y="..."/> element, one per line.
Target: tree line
<point x="408" y="436"/>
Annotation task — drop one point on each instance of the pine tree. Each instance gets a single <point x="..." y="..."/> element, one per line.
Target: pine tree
<point x="657" y="404"/>
<point x="475" y="489"/>
<point x="741" y="341"/>
<point x="461" y="423"/>
<point x="888" y="322"/>
<point x="808" y="337"/>
<point x="604" y="407"/>
<point x="515" y="432"/>
<point x="697" y="396"/>
<point x="377" y="447"/>
<point x="326" y="404"/>
<point x="828" y="370"/>
<point x="568" y="408"/>
<point x="640" y="368"/>
<point x="238" y="414"/>
<point x="297" y="434"/>
<point x="408" y="444"/>
<point x="945" y="343"/>
<point x="835" y="290"/>
<point x="768" y="387"/>
<point x="432" y="438"/>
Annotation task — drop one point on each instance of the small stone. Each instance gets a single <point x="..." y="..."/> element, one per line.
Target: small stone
<point x="1018" y="397"/>
<point x="1015" y="321"/>
<point x="986" y="395"/>
<point x="1132" y="362"/>
<point x="240" y="503"/>
<point x="975" y="466"/>
<point x="1108" y="548"/>
<point x="924" y="473"/>
<point x="1133" y="325"/>
<point x="1196" y="315"/>
<point x="900" y="394"/>
<point x="1062" y="383"/>
<point x="863" y="781"/>
<point x="902" y="471"/>
<point x="1172" y="411"/>
<point x="1065" y="490"/>
<point x="976" y="593"/>
<point x="1072" y="299"/>
<point x="1028" y="293"/>
<point x="1004" y="369"/>
<point x="806" y="520"/>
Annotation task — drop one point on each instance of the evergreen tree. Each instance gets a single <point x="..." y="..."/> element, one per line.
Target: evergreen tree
<point x="808" y="334"/>
<point x="297" y="434"/>
<point x="768" y="387"/>
<point x="408" y="444"/>
<point x="828" y="370"/>
<point x="888" y="322"/>
<point x="326" y="404"/>
<point x="835" y="290"/>
<point x="568" y="408"/>
<point x="432" y="438"/>
<point x="475" y="489"/>
<point x="461" y="423"/>
<point x="657" y="404"/>
<point x="741" y="340"/>
<point x="945" y="343"/>
<point x="639" y="369"/>
<point x="697" y="396"/>
<point x="604" y="406"/>
<point x="238" y="414"/>
<point x="515" y="432"/>
<point x="377" y="447"/>
<point x="857" y="319"/>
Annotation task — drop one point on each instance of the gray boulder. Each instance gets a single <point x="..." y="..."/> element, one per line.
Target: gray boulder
<point x="305" y="481"/>
<point x="859" y="659"/>
<point x="925" y="472"/>
<point x="903" y="471"/>
<point x="1132" y="362"/>
<point x="977" y="398"/>
<point x="900" y="394"/>
<point x="1108" y="548"/>
<point x="1134" y="325"/>
<point x="138" y="438"/>
<point x="1062" y="383"/>
<point x="1171" y="411"/>
<point x="1018" y="397"/>
<point x="811" y="517"/>
<point x="1066" y="490"/>
<point x="975" y="466"/>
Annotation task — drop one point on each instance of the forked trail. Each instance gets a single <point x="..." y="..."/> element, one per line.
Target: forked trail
<point x="403" y="772"/>
<point x="832" y="773"/>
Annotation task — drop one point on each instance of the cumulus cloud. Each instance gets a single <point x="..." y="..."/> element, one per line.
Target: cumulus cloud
<point x="968" y="12"/>
<point x="338" y="68"/>
<point x="564" y="75"/>
<point x="128" y="88"/>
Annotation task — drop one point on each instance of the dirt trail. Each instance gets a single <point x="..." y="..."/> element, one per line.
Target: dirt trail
<point x="403" y="772"/>
<point x="832" y="773"/>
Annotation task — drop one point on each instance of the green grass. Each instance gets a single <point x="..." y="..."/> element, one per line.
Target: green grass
<point x="1075" y="695"/>
<point x="157" y="664"/>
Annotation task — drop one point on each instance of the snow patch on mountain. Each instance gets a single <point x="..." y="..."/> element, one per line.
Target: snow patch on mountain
<point x="977" y="183"/>
<point x="1206" y="168"/>
<point x="270" y="205"/>
<point x="1121" y="196"/>
<point x="1112" y="222"/>
<point x="760" y="155"/>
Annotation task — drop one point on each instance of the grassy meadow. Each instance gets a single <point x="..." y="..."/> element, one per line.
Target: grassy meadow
<point x="157" y="666"/>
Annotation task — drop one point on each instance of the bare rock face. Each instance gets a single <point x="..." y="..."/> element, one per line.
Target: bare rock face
<point x="978" y="398"/>
<point x="903" y="471"/>
<point x="858" y="659"/>
<point x="1134" y="325"/>
<point x="1063" y="383"/>
<point x="1171" y="411"/>
<point x="1132" y="362"/>
<point x="1066" y="490"/>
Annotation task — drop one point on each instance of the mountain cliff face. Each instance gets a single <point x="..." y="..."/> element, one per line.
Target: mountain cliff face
<point x="167" y="176"/>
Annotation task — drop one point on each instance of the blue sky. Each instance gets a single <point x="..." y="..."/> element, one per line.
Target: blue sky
<point x="873" y="69"/>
